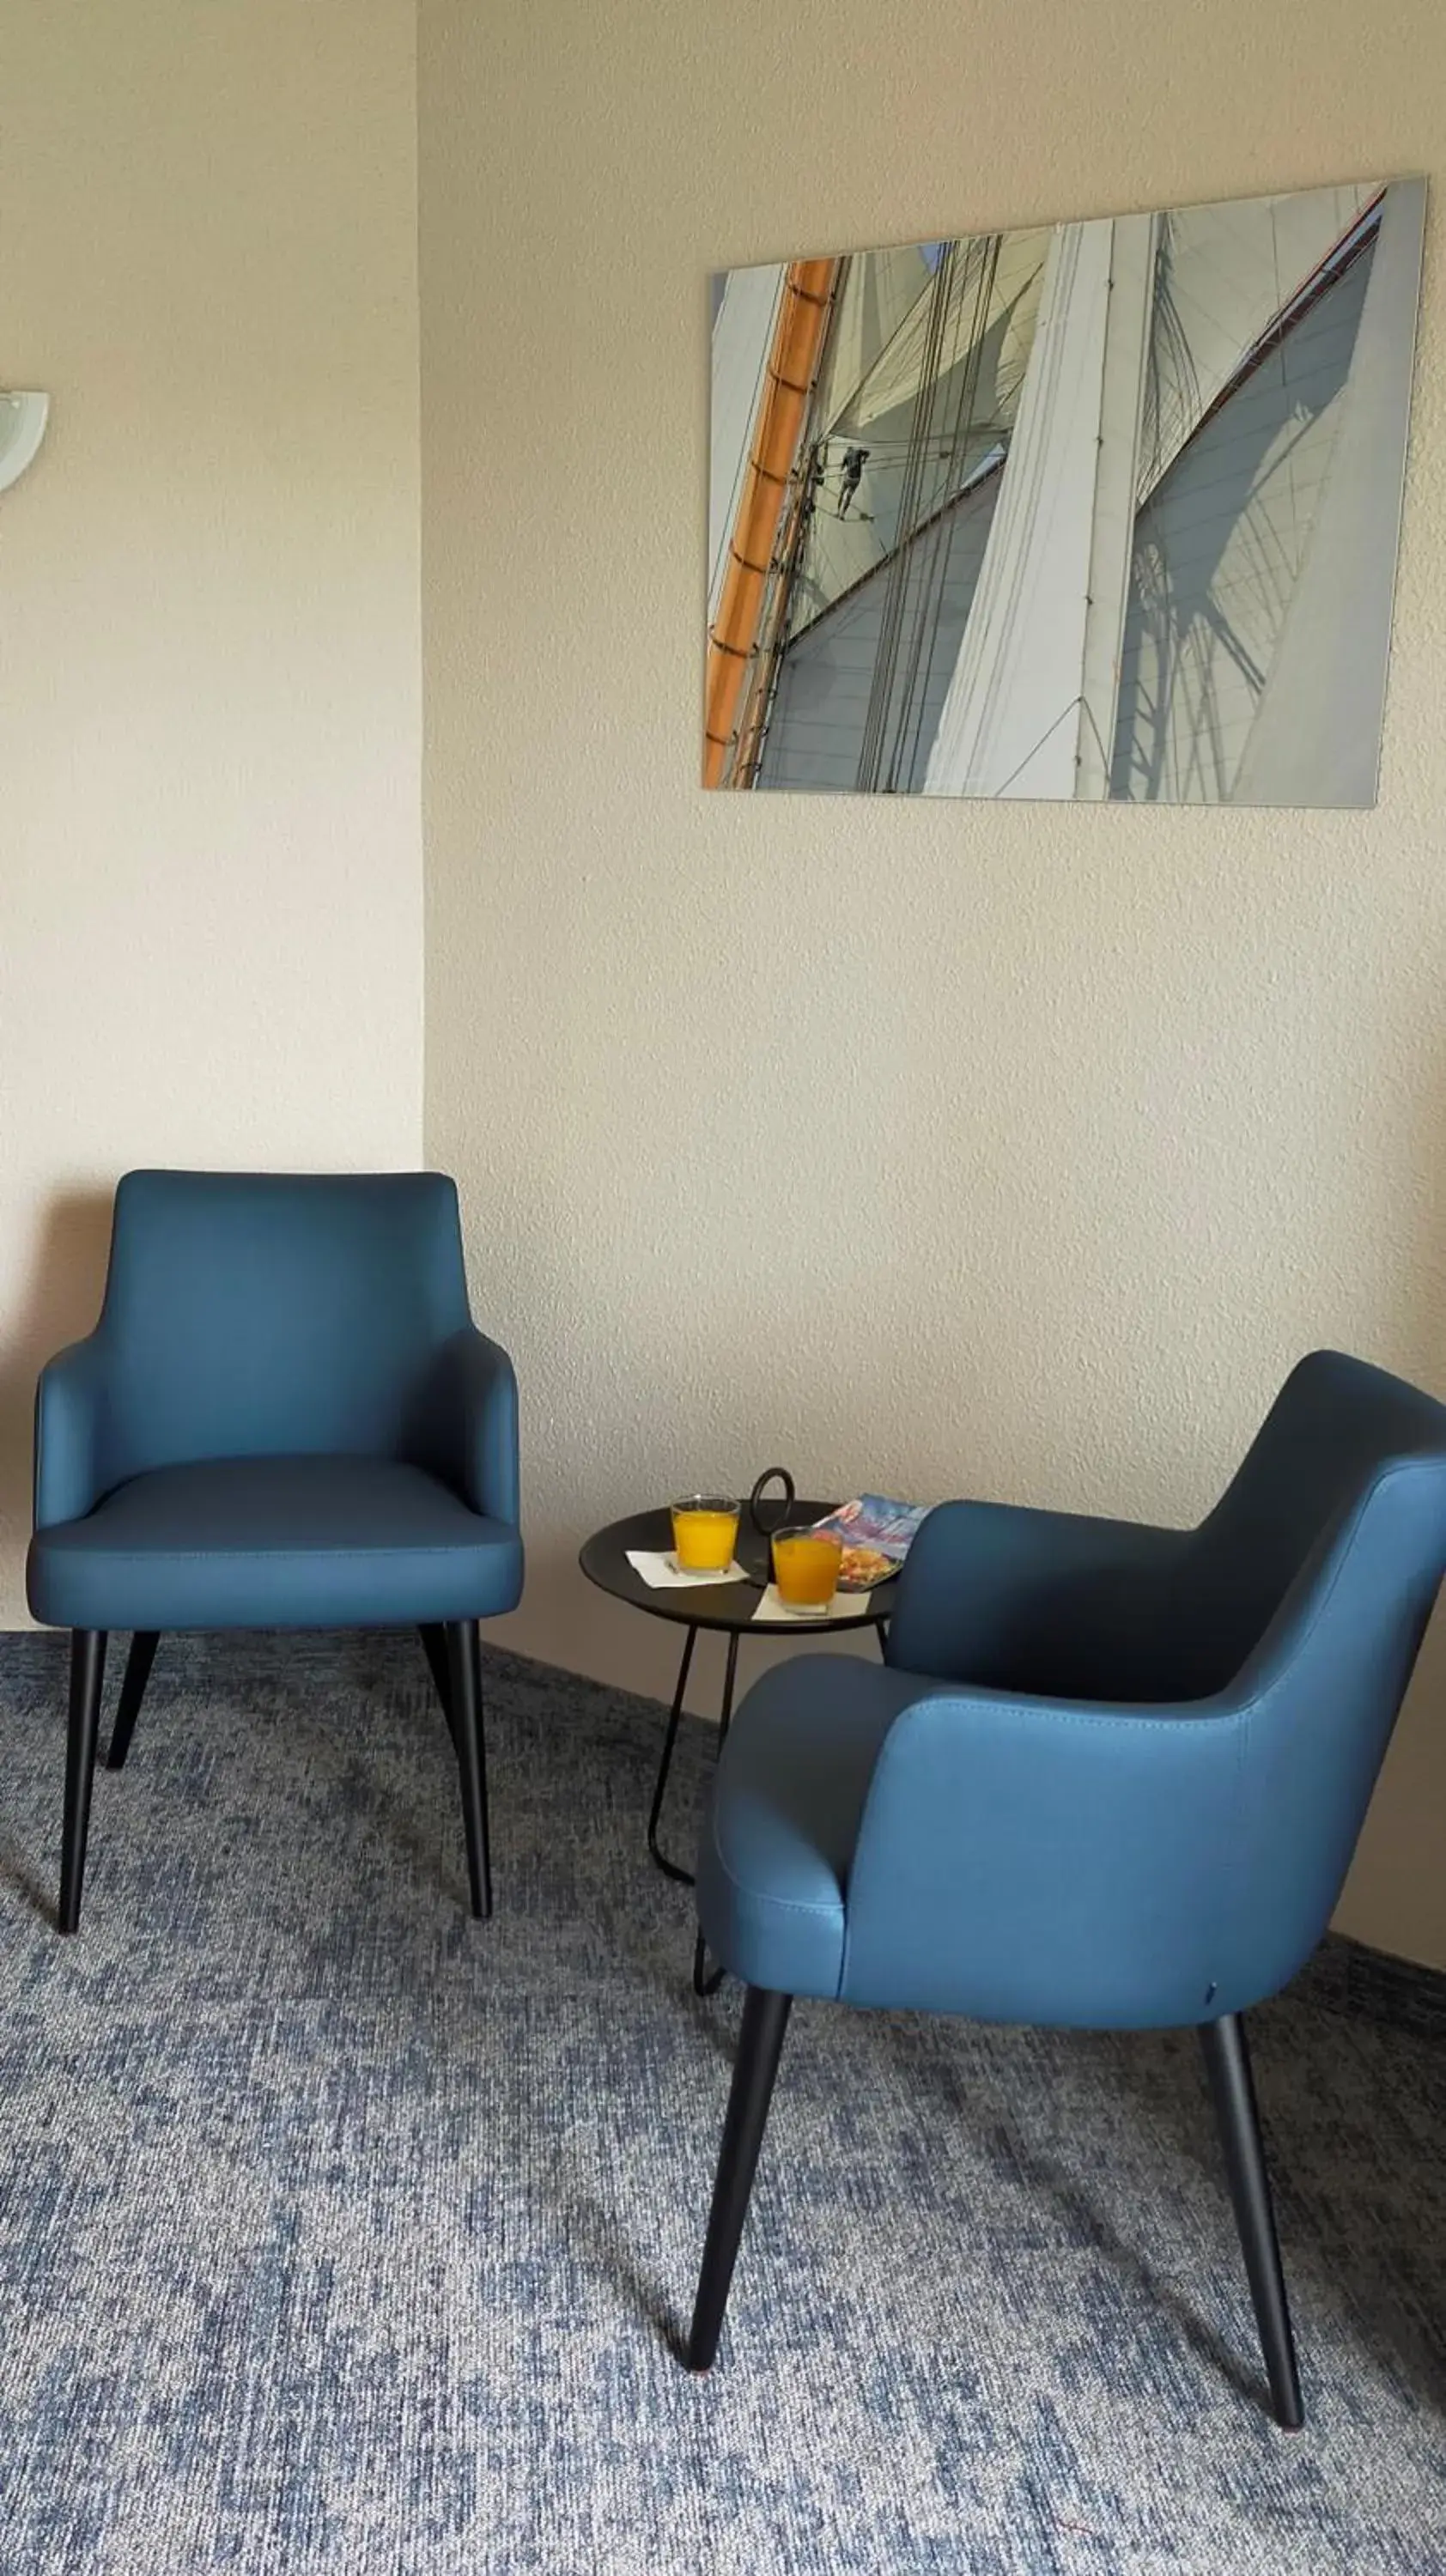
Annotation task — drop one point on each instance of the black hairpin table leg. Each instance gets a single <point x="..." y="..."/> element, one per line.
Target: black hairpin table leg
<point x="671" y="1868"/>
<point x="703" y="1983"/>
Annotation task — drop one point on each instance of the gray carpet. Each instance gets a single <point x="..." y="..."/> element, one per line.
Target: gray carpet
<point x="343" y="2234"/>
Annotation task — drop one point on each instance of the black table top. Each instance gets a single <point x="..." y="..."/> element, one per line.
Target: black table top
<point x="714" y="1605"/>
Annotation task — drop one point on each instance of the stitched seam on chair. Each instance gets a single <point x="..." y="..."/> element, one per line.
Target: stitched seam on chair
<point x="243" y="1556"/>
<point x="1082" y="1713"/>
<point x="1232" y="1877"/>
<point x="792" y="1904"/>
<point x="1408" y="1467"/>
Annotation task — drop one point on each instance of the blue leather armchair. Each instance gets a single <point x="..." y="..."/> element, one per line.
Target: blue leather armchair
<point x="1110" y="1776"/>
<point x="283" y="1419"/>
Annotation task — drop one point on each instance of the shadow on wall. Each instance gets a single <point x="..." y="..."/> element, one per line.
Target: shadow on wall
<point x="1395" y="1894"/>
<point x="60" y="1304"/>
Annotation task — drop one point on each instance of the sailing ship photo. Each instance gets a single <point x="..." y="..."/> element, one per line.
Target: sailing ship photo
<point x="1092" y="510"/>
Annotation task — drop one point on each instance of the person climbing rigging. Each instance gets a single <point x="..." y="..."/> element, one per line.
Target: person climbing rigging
<point x="855" y="459"/>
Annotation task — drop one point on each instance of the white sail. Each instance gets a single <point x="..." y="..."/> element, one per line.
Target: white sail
<point x="742" y="336"/>
<point x="1222" y="636"/>
<point x="1224" y="274"/>
<point x="1112" y="535"/>
<point x="1011" y="719"/>
<point x="880" y="288"/>
<point x="982" y="329"/>
<point x="1317" y="733"/>
<point x="828" y="675"/>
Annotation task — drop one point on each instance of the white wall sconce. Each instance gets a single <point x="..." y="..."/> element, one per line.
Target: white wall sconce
<point x="22" y="427"/>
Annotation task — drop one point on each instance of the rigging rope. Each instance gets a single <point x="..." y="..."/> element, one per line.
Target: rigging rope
<point x="935" y="561"/>
<point x="921" y="433"/>
<point x="945" y="420"/>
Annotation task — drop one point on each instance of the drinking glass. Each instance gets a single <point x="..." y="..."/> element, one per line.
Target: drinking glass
<point x="705" y="1528"/>
<point x="806" y="1568"/>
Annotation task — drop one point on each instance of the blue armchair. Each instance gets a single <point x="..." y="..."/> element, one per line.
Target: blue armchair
<point x="1109" y="1777"/>
<point x="284" y="1419"/>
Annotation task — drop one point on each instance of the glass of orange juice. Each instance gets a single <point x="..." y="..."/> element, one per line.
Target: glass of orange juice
<point x="806" y="1568"/>
<point x="705" y="1527"/>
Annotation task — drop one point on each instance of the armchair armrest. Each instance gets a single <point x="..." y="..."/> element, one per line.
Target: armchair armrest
<point x="70" y="1429"/>
<point x="997" y="1595"/>
<point x="466" y="1431"/>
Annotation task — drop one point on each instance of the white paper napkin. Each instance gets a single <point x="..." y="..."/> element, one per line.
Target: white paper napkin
<point x="657" y="1568"/>
<point x="844" y="1605"/>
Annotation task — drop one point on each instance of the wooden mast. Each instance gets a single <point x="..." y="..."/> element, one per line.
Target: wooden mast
<point x="792" y="366"/>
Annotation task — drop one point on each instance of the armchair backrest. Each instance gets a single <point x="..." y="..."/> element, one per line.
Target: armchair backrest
<point x="1337" y="1427"/>
<point x="255" y="1315"/>
<point x="1319" y="1699"/>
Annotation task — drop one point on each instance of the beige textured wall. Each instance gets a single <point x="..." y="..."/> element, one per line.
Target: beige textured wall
<point x="210" y="889"/>
<point x="1004" y="1149"/>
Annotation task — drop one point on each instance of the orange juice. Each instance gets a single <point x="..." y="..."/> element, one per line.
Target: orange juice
<point x="704" y="1531"/>
<point x="806" y="1568"/>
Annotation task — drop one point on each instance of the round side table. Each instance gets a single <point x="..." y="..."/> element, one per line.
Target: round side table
<point x="726" y="1607"/>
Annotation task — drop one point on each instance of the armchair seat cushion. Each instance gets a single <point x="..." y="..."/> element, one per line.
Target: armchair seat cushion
<point x="779" y="1839"/>
<point x="344" y="1542"/>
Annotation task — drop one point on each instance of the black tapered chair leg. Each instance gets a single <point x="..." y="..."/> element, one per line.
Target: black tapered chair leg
<point x="132" y="1691"/>
<point x="1227" y="2064"/>
<point x="464" y="1676"/>
<point x="760" y="2042"/>
<point x="87" y="1672"/>
<point x="434" y="1646"/>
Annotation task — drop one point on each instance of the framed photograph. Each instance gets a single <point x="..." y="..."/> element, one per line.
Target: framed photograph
<point x="1090" y="510"/>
